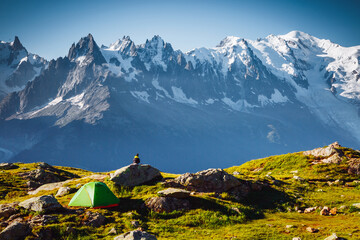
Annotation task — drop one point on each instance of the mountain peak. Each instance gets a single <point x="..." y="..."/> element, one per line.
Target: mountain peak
<point x="230" y="41"/>
<point x="86" y="47"/>
<point x="16" y="44"/>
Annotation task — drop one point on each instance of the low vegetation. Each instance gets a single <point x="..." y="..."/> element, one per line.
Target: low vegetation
<point x="274" y="213"/>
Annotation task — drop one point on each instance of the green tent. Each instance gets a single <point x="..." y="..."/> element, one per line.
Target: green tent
<point x="95" y="195"/>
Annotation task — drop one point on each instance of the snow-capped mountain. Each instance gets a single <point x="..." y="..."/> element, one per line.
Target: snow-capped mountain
<point x="17" y="66"/>
<point x="184" y="111"/>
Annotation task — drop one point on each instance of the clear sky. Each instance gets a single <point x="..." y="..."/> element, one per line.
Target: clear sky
<point x="48" y="28"/>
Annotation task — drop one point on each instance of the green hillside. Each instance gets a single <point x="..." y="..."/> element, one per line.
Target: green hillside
<point x="289" y="184"/>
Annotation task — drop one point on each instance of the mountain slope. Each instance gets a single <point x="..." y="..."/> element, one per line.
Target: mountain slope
<point x="17" y="66"/>
<point x="283" y="93"/>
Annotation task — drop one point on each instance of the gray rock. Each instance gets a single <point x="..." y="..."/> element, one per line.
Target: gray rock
<point x="15" y="231"/>
<point x="174" y="192"/>
<point x="94" y="219"/>
<point x="135" y="174"/>
<point x="332" y="237"/>
<point x="42" y="220"/>
<point x="6" y="210"/>
<point x="42" y="203"/>
<point x="211" y="180"/>
<point x="63" y="191"/>
<point x="296" y="238"/>
<point x="136" y="235"/>
<point x="112" y="231"/>
<point x="7" y="166"/>
<point x="357" y="205"/>
<point x="354" y="166"/>
<point x="310" y="209"/>
<point x="135" y="223"/>
<point x="167" y="204"/>
<point x="297" y="178"/>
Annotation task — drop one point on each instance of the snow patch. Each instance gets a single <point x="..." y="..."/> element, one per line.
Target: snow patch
<point x="143" y="96"/>
<point x="179" y="96"/>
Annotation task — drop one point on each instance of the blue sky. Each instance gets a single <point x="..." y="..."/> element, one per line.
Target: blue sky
<point x="48" y="28"/>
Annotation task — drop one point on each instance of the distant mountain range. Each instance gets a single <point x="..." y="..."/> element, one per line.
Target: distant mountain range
<point x="182" y="112"/>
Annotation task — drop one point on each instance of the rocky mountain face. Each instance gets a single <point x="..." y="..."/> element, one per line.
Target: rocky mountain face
<point x="184" y="111"/>
<point x="17" y="67"/>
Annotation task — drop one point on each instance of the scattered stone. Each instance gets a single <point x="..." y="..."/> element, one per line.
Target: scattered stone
<point x="236" y="210"/>
<point x="211" y="180"/>
<point x="174" y="192"/>
<point x="63" y="191"/>
<point x="43" y="220"/>
<point x="15" y="231"/>
<point x="6" y="210"/>
<point x="319" y="190"/>
<point x="297" y="178"/>
<point x="269" y="177"/>
<point x="135" y="223"/>
<point x="94" y="219"/>
<point x="112" y="231"/>
<point x="310" y="209"/>
<point x="7" y="166"/>
<point x="136" y="235"/>
<point x="330" y="183"/>
<point x="343" y="207"/>
<point x="167" y="204"/>
<point x="135" y="174"/>
<point x="42" y="203"/>
<point x="357" y="205"/>
<point x="332" y="237"/>
<point x="338" y="182"/>
<point x="290" y="226"/>
<point x="236" y="173"/>
<point x="312" y="230"/>
<point x="325" y="211"/>
<point x="333" y="211"/>
<point x="294" y="172"/>
<point x="296" y="238"/>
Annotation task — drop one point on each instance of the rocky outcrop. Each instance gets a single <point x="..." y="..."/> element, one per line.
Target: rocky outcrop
<point x="167" y="204"/>
<point x="136" y="235"/>
<point x="135" y="174"/>
<point x="7" y="166"/>
<point x="354" y="166"/>
<point x="63" y="191"/>
<point x="41" y="220"/>
<point x="6" y="210"/>
<point x="15" y="231"/>
<point x="46" y="203"/>
<point x="94" y="219"/>
<point x="44" y="174"/>
<point x="174" y="192"/>
<point x="211" y="180"/>
<point x="329" y="154"/>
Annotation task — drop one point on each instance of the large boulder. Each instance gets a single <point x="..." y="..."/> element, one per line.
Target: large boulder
<point x="174" y="192"/>
<point x="15" y="231"/>
<point x="136" y="235"/>
<point x="135" y="174"/>
<point x="354" y="166"/>
<point x="43" y="203"/>
<point x="167" y="204"/>
<point x="329" y="154"/>
<point x="211" y="180"/>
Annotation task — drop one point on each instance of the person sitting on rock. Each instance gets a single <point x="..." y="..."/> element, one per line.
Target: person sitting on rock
<point x="136" y="159"/>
